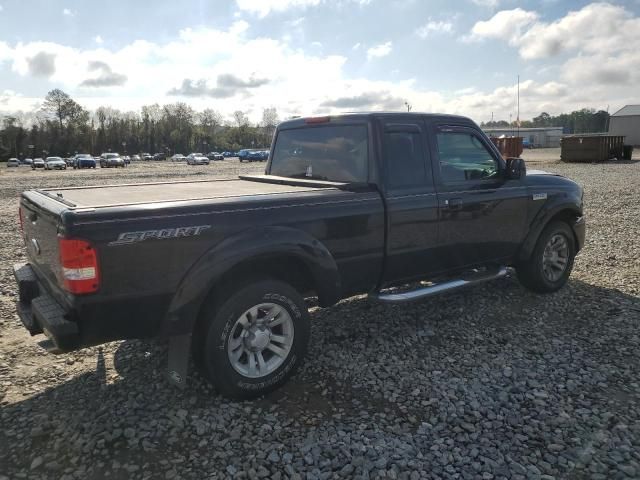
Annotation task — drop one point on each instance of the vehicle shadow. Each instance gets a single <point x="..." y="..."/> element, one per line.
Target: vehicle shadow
<point x="125" y="414"/>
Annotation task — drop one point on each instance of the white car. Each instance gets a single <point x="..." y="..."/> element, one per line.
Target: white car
<point x="178" y="157"/>
<point x="13" y="162"/>
<point x="55" y="163"/>
<point x="197" y="159"/>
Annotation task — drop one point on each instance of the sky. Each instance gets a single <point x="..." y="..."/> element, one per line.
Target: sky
<point x="310" y="57"/>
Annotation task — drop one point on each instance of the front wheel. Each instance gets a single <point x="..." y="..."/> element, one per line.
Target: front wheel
<point x="253" y="340"/>
<point x="550" y="264"/>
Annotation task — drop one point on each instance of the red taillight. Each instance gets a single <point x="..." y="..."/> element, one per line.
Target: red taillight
<point x="316" y="120"/>
<point x="79" y="263"/>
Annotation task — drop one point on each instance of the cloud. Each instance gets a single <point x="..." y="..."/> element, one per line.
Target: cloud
<point x="505" y="25"/>
<point x="602" y="38"/>
<point x="42" y="64"/>
<point x="68" y="13"/>
<point x="366" y="101"/>
<point x="487" y="3"/>
<point x="434" y="27"/>
<point x="262" y="8"/>
<point x="379" y="51"/>
<point x="235" y="67"/>
<point x="598" y="27"/>
<point x="106" y="77"/>
<point x="227" y="86"/>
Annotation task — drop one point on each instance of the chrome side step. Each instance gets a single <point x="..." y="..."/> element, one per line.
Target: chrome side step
<point x="420" y="293"/>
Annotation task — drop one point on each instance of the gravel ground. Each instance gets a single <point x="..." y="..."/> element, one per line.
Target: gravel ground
<point x="494" y="382"/>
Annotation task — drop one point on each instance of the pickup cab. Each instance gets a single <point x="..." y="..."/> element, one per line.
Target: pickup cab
<point x="360" y="203"/>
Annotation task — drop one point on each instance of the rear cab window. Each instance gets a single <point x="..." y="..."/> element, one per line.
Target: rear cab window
<point x="404" y="157"/>
<point x="337" y="153"/>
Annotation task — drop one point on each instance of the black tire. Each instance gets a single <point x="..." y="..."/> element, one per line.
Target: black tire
<point x="217" y="326"/>
<point x="531" y="273"/>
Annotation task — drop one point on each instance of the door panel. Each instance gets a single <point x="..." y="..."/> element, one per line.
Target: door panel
<point x="412" y="202"/>
<point x="482" y="214"/>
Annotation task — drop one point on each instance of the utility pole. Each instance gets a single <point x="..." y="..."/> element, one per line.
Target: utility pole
<point x="408" y="105"/>
<point x="518" y="118"/>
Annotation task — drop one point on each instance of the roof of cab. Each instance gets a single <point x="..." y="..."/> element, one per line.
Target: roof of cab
<point x="366" y="116"/>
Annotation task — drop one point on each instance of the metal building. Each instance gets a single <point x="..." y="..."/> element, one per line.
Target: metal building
<point x="541" y="137"/>
<point x="626" y="122"/>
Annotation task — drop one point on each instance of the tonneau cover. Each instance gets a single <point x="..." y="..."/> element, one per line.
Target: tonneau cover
<point x="131" y="194"/>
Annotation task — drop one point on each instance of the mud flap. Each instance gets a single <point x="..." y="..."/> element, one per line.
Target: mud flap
<point x="178" y="362"/>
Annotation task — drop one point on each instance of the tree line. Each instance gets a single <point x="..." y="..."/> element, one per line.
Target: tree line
<point x="62" y="127"/>
<point x="580" y="121"/>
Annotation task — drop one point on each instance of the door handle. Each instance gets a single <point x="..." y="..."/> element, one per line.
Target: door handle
<point x="453" y="203"/>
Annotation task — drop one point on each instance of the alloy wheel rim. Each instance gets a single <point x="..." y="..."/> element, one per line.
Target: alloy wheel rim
<point x="555" y="258"/>
<point x="260" y="340"/>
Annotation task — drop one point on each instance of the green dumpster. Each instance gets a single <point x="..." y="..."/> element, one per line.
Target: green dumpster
<point x="627" y="152"/>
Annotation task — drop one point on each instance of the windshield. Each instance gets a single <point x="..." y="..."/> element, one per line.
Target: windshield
<point x="111" y="155"/>
<point x="54" y="159"/>
<point x="335" y="153"/>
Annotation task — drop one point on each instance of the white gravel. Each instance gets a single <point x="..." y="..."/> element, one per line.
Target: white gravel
<point x="494" y="382"/>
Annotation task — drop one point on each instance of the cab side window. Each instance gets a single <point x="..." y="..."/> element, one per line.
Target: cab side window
<point x="404" y="158"/>
<point x="463" y="157"/>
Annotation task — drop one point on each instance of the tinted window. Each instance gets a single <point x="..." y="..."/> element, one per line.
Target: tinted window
<point x="403" y="156"/>
<point x="463" y="156"/>
<point x="327" y="153"/>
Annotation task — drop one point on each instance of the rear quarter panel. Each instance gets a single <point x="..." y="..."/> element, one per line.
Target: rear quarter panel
<point x="143" y="275"/>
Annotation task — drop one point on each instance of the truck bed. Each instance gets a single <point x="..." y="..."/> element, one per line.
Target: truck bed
<point x="145" y="193"/>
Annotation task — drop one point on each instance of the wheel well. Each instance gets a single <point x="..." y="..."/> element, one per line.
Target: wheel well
<point x="287" y="269"/>
<point x="567" y="216"/>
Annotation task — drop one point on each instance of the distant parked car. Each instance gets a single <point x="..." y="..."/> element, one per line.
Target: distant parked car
<point x="160" y="156"/>
<point x="256" y="155"/>
<point x="27" y="161"/>
<point x="108" y="160"/>
<point x="84" y="160"/>
<point x="178" y="157"/>
<point x="37" y="163"/>
<point x="135" y="158"/>
<point x="526" y="143"/>
<point x="13" y="162"/>
<point x="68" y="161"/>
<point x="55" y="163"/>
<point x="227" y="154"/>
<point x="147" y="156"/>
<point x="215" y="156"/>
<point x="197" y="159"/>
<point x="243" y="155"/>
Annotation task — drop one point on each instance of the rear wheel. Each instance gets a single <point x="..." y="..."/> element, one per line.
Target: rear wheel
<point x="551" y="262"/>
<point x="253" y="340"/>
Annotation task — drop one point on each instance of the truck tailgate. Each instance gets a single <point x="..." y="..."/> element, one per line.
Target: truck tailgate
<point x="40" y="227"/>
<point x="131" y="194"/>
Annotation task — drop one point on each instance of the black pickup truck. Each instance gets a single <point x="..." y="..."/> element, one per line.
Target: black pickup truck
<point x="359" y="203"/>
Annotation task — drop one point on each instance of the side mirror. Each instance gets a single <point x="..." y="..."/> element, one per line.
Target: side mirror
<point x="516" y="169"/>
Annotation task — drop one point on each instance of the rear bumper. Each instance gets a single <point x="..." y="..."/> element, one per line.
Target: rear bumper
<point x="580" y="229"/>
<point x="41" y="313"/>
